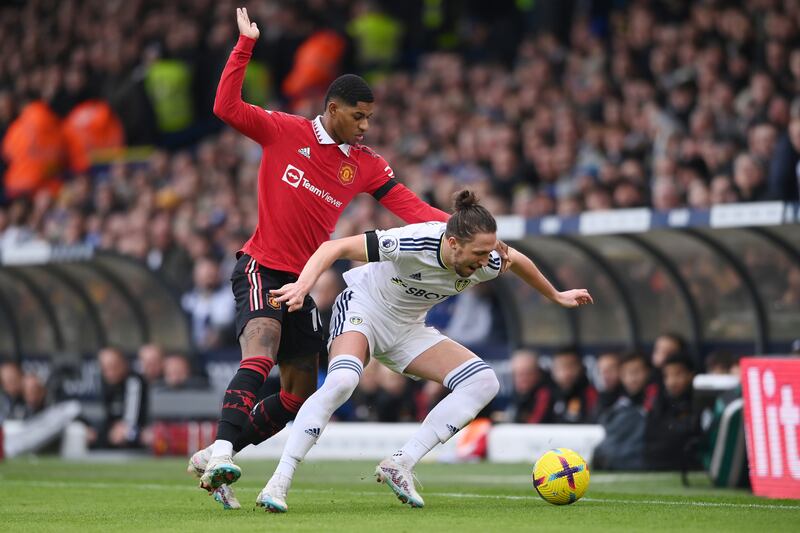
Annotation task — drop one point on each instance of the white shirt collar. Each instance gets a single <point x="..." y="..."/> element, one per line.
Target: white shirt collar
<point x="324" y="138"/>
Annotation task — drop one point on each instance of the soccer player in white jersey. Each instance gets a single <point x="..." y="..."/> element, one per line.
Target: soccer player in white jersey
<point x="382" y="313"/>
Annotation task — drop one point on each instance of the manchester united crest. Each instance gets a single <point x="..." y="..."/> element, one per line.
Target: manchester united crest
<point x="347" y="173"/>
<point x="461" y="284"/>
<point x="273" y="302"/>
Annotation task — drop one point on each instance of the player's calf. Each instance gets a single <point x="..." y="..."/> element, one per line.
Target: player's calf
<point x="267" y="418"/>
<point x="474" y="385"/>
<point x="344" y="373"/>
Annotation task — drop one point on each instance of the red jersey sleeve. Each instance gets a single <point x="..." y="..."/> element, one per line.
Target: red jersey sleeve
<point x="407" y="205"/>
<point x="260" y="125"/>
<point x="400" y="200"/>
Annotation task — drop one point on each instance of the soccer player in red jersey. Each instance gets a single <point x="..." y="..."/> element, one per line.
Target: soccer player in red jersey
<point x="309" y="173"/>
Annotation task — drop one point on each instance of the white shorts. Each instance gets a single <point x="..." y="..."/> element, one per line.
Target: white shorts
<point x="395" y="345"/>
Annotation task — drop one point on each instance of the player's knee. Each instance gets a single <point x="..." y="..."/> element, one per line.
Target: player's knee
<point x="341" y="384"/>
<point x="485" y="386"/>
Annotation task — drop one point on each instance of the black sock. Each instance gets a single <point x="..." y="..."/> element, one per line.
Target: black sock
<point x="240" y="397"/>
<point x="269" y="417"/>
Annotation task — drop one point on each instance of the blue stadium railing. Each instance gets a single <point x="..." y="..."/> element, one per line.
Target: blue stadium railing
<point x="728" y="277"/>
<point x="724" y="278"/>
<point x="69" y="302"/>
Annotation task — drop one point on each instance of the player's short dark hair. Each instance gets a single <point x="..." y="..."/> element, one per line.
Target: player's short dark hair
<point x="613" y="355"/>
<point x="635" y="355"/>
<point x="568" y="350"/>
<point x="116" y="350"/>
<point x="11" y="362"/>
<point x="350" y="89"/>
<point x="677" y="338"/>
<point x="721" y="358"/>
<point x="469" y="217"/>
<point x="680" y="359"/>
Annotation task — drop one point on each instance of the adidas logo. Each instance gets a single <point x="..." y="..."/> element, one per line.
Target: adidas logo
<point x="305" y="152"/>
<point x="314" y="432"/>
<point x="452" y="429"/>
<point x="417" y="276"/>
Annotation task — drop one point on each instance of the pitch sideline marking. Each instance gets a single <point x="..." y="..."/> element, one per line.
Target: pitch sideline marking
<point x="614" y="500"/>
<point x="597" y="478"/>
<point x="515" y="479"/>
<point x="155" y="486"/>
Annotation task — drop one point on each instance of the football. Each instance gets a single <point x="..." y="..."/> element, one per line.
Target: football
<point x="561" y="476"/>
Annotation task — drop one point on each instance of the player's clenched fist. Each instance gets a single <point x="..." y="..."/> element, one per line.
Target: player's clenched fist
<point x="246" y="28"/>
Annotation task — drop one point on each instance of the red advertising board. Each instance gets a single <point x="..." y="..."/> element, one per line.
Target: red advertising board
<point x="182" y="438"/>
<point x="771" y="390"/>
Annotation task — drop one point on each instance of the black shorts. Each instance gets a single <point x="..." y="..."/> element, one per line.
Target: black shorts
<point x="301" y="331"/>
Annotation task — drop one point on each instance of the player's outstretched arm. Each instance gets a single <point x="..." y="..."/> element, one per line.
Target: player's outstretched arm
<point x="402" y="201"/>
<point x="353" y="248"/>
<point x="249" y="120"/>
<point x="522" y="266"/>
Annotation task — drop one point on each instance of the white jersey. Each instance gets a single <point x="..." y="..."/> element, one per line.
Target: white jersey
<point x="411" y="276"/>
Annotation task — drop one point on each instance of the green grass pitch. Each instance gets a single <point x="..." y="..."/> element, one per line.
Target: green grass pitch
<point x="157" y="495"/>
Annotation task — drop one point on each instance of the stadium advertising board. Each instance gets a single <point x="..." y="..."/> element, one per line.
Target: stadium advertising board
<point x="771" y="390"/>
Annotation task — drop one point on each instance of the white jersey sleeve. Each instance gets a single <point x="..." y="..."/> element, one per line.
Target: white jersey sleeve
<point x="396" y="244"/>
<point x="491" y="270"/>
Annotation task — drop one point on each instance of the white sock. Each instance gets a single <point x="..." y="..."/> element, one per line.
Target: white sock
<point x="222" y="447"/>
<point x="415" y="449"/>
<point x="286" y="467"/>
<point x="474" y="384"/>
<point x="344" y="372"/>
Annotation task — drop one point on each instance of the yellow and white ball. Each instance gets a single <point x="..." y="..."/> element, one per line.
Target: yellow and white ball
<point x="561" y="476"/>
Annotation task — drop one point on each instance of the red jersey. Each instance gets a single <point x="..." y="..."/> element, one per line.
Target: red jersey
<point x="305" y="180"/>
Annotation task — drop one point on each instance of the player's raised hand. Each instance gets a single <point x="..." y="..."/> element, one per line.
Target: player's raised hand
<point x="574" y="298"/>
<point x="292" y="294"/>
<point x="246" y="28"/>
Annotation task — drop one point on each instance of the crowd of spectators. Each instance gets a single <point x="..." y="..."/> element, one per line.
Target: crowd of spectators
<point x="656" y="104"/>
<point x="644" y="403"/>
<point x="22" y="395"/>
<point x="594" y="106"/>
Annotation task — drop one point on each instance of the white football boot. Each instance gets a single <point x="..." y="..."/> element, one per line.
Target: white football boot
<point x="273" y="496"/>
<point x="199" y="461"/>
<point x="224" y="494"/>
<point x="401" y="480"/>
<point x="220" y="471"/>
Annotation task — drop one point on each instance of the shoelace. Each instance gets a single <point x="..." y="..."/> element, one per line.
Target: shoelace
<point x="414" y="478"/>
